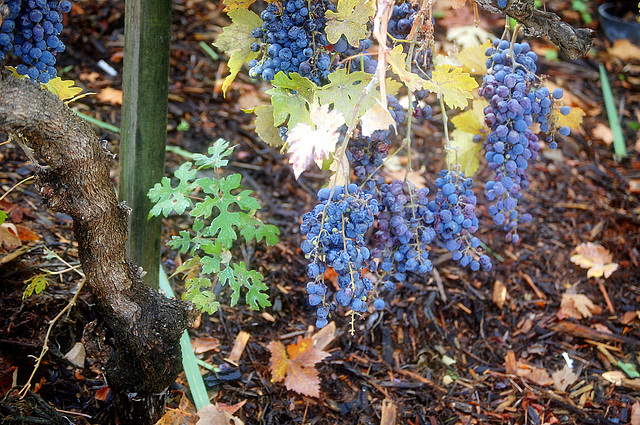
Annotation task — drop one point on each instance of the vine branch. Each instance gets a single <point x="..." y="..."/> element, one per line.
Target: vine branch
<point x="573" y="43"/>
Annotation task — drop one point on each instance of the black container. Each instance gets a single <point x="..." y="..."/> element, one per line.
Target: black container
<point x="615" y="27"/>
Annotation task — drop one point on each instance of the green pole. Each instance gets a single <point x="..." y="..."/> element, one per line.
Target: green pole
<point x="144" y="124"/>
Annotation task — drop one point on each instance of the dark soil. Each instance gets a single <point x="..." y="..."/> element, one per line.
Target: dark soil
<point x="579" y="193"/>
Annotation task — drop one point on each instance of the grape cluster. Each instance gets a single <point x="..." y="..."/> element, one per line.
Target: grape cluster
<point x="355" y="58"/>
<point x="404" y="231"/>
<point x="516" y="102"/>
<point x="335" y="231"/>
<point x="401" y="20"/>
<point x="421" y="110"/>
<point x="31" y="33"/>
<point x="455" y="221"/>
<point x="291" y="38"/>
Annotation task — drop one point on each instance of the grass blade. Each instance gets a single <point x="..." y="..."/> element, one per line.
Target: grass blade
<point x="189" y="361"/>
<point x="619" y="146"/>
<point x="99" y="123"/>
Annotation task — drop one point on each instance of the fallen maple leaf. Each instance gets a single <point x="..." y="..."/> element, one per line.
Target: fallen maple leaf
<point x="110" y="95"/>
<point x="314" y="144"/>
<point x="185" y="414"/>
<point x="596" y="258"/>
<point x="296" y="365"/>
<point x="215" y="414"/>
<point x="577" y="306"/>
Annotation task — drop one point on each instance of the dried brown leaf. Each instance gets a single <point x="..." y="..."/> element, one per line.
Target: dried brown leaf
<point x="596" y="258"/>
<point x="499" y="295"/>
<point x="577" y="306"/>
<point x="110" y="95"/>
<point x="564" y="377"/>
<point x="214" y="414"/>
<point x="534" y="374"/>
<point x="624" y="50"/>
<point x="204" y="344"/>
<point x="296" y="365"/>
<point x="185" y="414"/>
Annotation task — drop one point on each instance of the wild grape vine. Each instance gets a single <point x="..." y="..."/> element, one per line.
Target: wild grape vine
<point x="31" y="33"/>
<point x="367" y="235"/>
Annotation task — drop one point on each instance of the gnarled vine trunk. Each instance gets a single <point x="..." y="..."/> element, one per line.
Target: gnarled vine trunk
<point x="145" y="327"/>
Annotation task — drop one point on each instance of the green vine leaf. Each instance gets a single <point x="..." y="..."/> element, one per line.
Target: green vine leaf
<point x="344" y="92"/>
<point x="197" y="292"/>
<point x="217" y="152"/>
<point x="265" y="128"/>
<point x="182" y="242"/>
<point x="237" y="276"/>
<point x="37" y="284"/>
<point x="3" y="216"/>
<point x="350" y="20"/>
<point x="236" y="40"/>
<point x="291" y="97"/>
<point x="167" y="198"/>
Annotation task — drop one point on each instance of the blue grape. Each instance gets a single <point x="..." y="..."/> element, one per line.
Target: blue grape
<point x="23" y="34"/>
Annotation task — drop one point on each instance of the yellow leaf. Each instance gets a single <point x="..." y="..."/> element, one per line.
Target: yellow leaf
<point x="573" y="120"/>
<point x="64" y="89"/>
<point x="265" y="128"/>
<point x="397" y="59"/>
<point x="279" y="361"/>
<point x="472" y="121"/>
<point x="350" y="20"/>
<point x="473" y="58"/>
<point x="596" y="258"/>
<point x="465" y="152"/>
<point x="236" y="4"/>
<point x="236" y="41"/>
<point x="453" y="85"/>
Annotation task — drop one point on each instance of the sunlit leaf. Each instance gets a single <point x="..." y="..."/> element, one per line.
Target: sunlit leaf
<point x="314" y="143"/>
<point x="453" y="85"/>
<point x="473" y="58"/>
<point x="236" y="40"/>
<point x="397" y="60"/>
<point x="465" y="152"/>
<point x="596" y="258"/>
<point x="350" y="20"/>
<point x="345" y="91"/>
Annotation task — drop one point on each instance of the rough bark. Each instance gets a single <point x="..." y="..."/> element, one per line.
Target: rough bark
<point x="573" y="43"/>
<point x="145" y="326"/>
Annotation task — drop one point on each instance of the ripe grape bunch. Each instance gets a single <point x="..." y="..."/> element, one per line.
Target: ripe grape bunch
<point x="517" y="100"/>
<point x="31" y="32"/>
<point x="292" y="39"/>
<point x="335" y="231"/>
